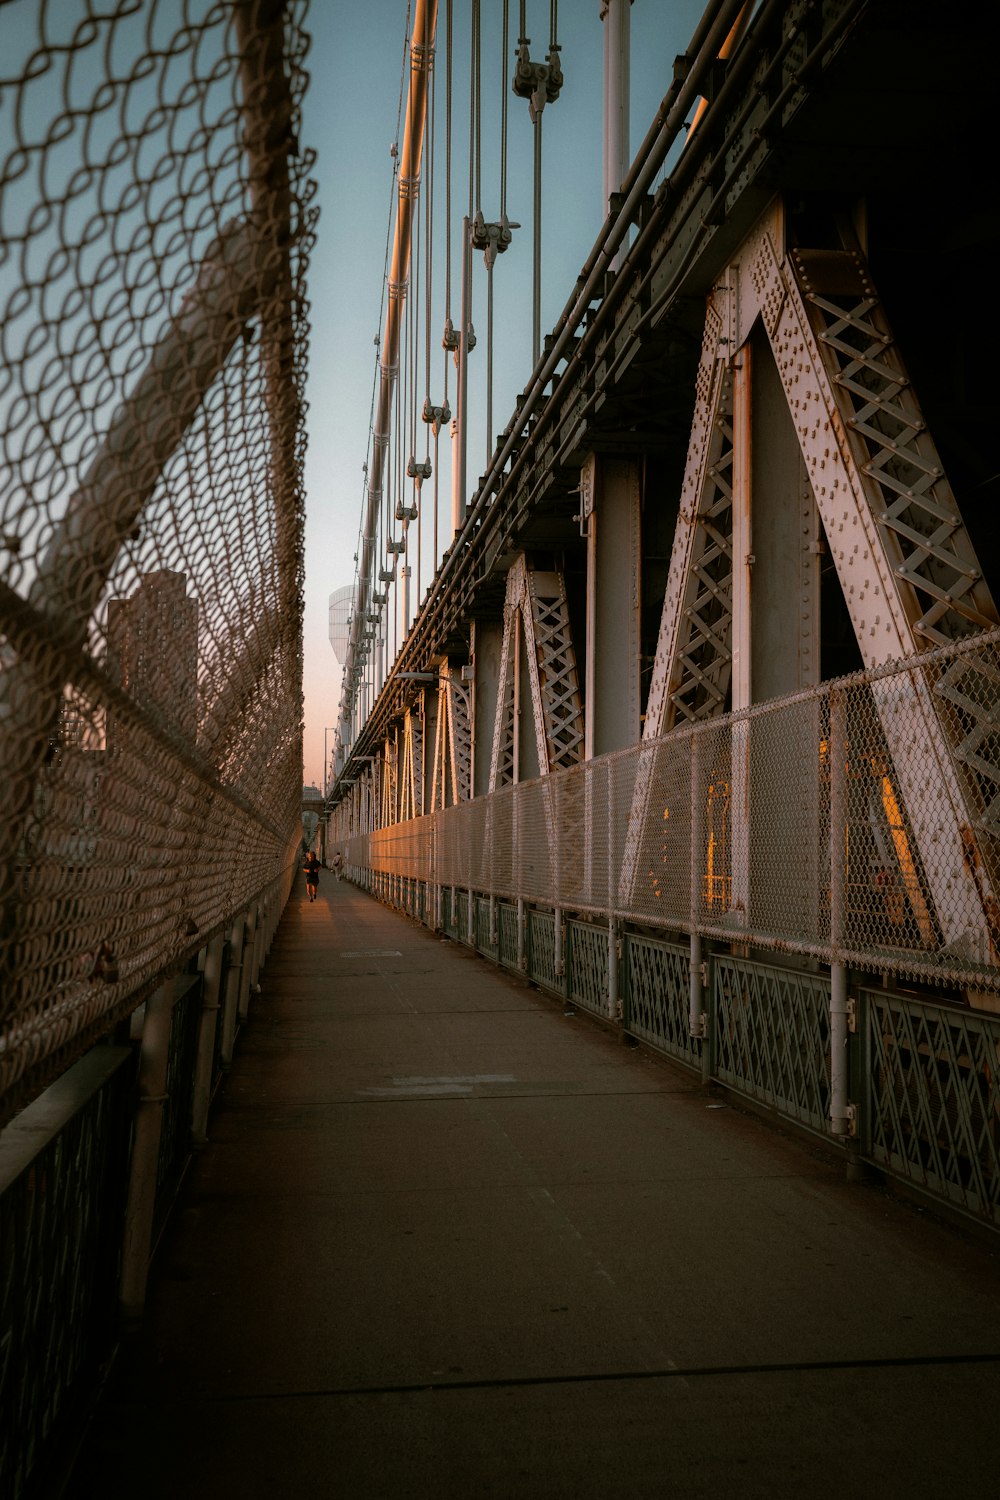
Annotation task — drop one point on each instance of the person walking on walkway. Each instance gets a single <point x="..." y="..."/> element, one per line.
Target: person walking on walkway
<point x="337" y="862"/>
<point x="311" y="868"/>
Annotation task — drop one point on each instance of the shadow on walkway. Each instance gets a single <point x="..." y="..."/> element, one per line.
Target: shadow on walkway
<point x="447" y="1240"/>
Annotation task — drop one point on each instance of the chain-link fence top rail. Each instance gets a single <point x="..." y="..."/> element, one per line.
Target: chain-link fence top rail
<point x="857" y="822"/>
<point x="155" y="222"/>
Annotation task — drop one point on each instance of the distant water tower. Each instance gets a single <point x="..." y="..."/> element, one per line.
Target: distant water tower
<point x="340" y="622"/>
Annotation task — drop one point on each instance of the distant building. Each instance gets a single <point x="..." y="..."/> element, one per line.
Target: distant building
<point x="153" y="651"/>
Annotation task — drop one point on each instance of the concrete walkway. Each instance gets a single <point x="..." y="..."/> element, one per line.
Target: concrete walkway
<point x="447" y="1241"/>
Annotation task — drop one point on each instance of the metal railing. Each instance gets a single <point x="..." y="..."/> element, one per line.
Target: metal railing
<point x="703" y="890"/>
<point x="88" y="1174"/>
<point x="156" y="219"/>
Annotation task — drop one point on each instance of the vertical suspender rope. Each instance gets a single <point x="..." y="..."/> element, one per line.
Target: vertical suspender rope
<point x="538" y="83"/>
<point x="428" y="303"/>
<point x="536" y="272"/>
<point x="503" y="109"/>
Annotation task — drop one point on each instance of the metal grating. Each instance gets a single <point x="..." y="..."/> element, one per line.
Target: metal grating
<point x="507" y="933"/>
<point x="484" y="935"/>
<point x="657" y="988"/>
<point x="542" y="949"/>
<point x="587" y="965"/>
<point x="60" y="1234"/>
<point x="175" y="1127"/>
<point x="934" y="1112"/>
<point x="772" y="1037"/>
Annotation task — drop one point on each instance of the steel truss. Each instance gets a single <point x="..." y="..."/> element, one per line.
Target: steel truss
<point x="906" y="564"/>
<point x="411" y="795"/>
<point x="452" y="775"/>
<point x="536" y="612"/>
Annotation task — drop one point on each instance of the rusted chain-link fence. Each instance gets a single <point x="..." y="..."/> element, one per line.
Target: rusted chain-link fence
<point x="155" y="222"/>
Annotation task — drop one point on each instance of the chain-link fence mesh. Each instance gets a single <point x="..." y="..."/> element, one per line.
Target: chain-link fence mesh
<point x="856" y="823"/>
<point x="155" y="222"/>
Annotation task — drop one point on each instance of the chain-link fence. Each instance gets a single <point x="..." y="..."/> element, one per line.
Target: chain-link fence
<point x="155" y="222"/>
<point x="857" y="823"/>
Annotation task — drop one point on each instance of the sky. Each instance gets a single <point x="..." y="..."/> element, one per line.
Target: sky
<point x="359" y="73"/>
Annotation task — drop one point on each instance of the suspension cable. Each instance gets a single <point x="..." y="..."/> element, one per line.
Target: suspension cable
<point x="503" y="109"/>
<point x="447" y="171"/>
<point x="473" y="110"/>
<point x="536" y="273"/>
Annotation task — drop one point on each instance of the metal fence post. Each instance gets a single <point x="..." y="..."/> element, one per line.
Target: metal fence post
<point x="248" y="977"/>
<point x="841" y="1112"/>
<point x="698" y="1019"/>
<point x="234" y="982"/>
<point x="211" y="980"/>
<point x="558" y="959"/>
<point x="154" y="1051"/>
<point x="614" y="1001"/>
<point x="710" y="1012"/>
<point x="696" y="1000"/>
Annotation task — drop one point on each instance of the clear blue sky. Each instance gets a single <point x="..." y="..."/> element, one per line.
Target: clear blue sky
<point x="357" y="67"/>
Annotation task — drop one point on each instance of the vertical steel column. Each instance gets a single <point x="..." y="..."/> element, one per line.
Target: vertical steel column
<point x="841" y="1114"/>
<point x="154" y="1052"/>
<point x="522" y="955"/>
<point x="211" y="981"/>
<point x="613" y="997"/>
<point x="696" y="1004"/>
<point x="234" y="983"/>
<point x="249" y="970"/>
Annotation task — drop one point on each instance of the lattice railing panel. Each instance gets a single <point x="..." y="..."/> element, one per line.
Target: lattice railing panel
<point x="772" y="1037"/>
<point x="934" y="1114"/>
<point x="60" y="1229"/>
<point x="542" y="949"/>
<point x="658" y="987"/>
<point x="507" y="932"/>
<point x="587" y="965"/>
<point x="484" y="934"/>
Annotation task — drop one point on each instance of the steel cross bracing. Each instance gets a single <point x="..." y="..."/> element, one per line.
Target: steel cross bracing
<point x="928" y="554"/>
<point x="452" y="773"/>
<point x="411" y="802"/>
<point x="905" y="562"/>
<point x="389" y="783"/>
<point x="694" y="652"/>
<point x="536" y="612"/>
